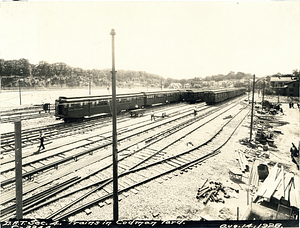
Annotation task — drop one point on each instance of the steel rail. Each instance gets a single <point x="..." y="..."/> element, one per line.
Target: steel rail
<point x="110" y="165"/>
<point x="178" y="129"/>
<point x="134" y="169"/>
<point x="7" y="139"/>
<point x="63" y="160"/>
<point x="39" y="197"/>
<point x="189" y="164"/>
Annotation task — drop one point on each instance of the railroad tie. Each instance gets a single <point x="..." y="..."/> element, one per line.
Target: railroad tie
<point x="101" y="204"/>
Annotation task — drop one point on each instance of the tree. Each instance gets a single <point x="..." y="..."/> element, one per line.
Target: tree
<point x="296" y="74"/>
<point x="44" y="70"/>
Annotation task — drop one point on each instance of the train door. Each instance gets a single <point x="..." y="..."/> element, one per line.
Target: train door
<point x="88" y="107"/>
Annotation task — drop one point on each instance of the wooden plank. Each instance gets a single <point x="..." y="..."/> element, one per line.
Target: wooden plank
<point x="245" y="161"/>
<point x="240" y="162"/>
<point x="279" y="191"/>
<point x="268" y="181"/>
<point x="271" y="189"/>
<point x="294" y="193"/>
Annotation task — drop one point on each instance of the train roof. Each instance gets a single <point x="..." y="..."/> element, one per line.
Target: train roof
<point x="194" y="90"/>
<point x="161" y="92"/>
<point x="223" y="90"/>
<point x="94" y="98"/>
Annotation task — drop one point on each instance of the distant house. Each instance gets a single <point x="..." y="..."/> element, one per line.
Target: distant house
<point x="280" y="82"/>
<point x="292" y="89"/>
<point x="175" y="86"/>
<point x="197" y="85"/>
<point x="286" y="86"/>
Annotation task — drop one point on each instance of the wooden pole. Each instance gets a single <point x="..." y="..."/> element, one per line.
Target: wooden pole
<point x="18" y="163"/>
<point x="282" y="179"/>
<point x="90" y="85"/>
<point x="20" y="96"/>
<point x="251" y="125"/>
<point x="263" y="95"/>
<point x="114" y="133"/>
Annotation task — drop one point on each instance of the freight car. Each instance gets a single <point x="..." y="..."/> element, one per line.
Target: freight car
<point x="70" y="108"/>
<point x="215" y="96"/>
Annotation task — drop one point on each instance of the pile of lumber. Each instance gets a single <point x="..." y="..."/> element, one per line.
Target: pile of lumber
<point x="280" y="186"/>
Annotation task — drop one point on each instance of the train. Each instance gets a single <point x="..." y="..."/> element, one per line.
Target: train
<point x="215" y="96"/>
<point x="74" y="108"/>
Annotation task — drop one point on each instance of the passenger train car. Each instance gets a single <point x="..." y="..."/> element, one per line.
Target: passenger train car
<point x="193" y="96"/>
<point x="215" y="96"/>
<point x="70" y="108"/>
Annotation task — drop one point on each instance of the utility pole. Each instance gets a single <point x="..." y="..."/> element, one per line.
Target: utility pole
<point x="18" y="170"/>
<point x="249" y="92"/>
<point x="114" y="133"/>
<point x="263" y="94"/>
<point x="252" y="108"/>
<point x="90" y="84"/>
<point x="20" y="91"/>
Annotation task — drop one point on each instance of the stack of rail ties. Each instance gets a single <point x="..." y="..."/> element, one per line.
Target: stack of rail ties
<point x="277" y="197"/>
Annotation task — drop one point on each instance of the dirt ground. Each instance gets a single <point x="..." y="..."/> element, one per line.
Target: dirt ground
<point x="175" y="198"/>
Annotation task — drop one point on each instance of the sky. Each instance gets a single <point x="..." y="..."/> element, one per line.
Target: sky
<point x="173" y="39"/>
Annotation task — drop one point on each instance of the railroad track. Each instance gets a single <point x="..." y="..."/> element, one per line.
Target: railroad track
<point x="31" y="136"/>
<point x="86" y="146"/>
<point x="130" y="163"/>
<point x="26" y="113"/>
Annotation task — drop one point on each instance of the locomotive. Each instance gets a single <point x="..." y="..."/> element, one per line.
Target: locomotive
<point x="74" y="108"/>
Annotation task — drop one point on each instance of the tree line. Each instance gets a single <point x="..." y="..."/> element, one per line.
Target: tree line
<point x="61" y="74"/>
<point x="44" y="74"/>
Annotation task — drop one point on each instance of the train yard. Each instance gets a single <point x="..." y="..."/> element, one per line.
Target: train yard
<point x="72" y="178"/>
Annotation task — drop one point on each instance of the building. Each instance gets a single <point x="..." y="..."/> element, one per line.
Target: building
<point x="285" y="86"/>
<point x="292" y="89"/>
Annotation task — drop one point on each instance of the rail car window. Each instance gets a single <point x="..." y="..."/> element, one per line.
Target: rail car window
<point x="102" y="103"/>
<point x="150" y="96"/>
<point x="125" y="100"/>
<point x="75" y="106"/>
<point x="160" y="95"/>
